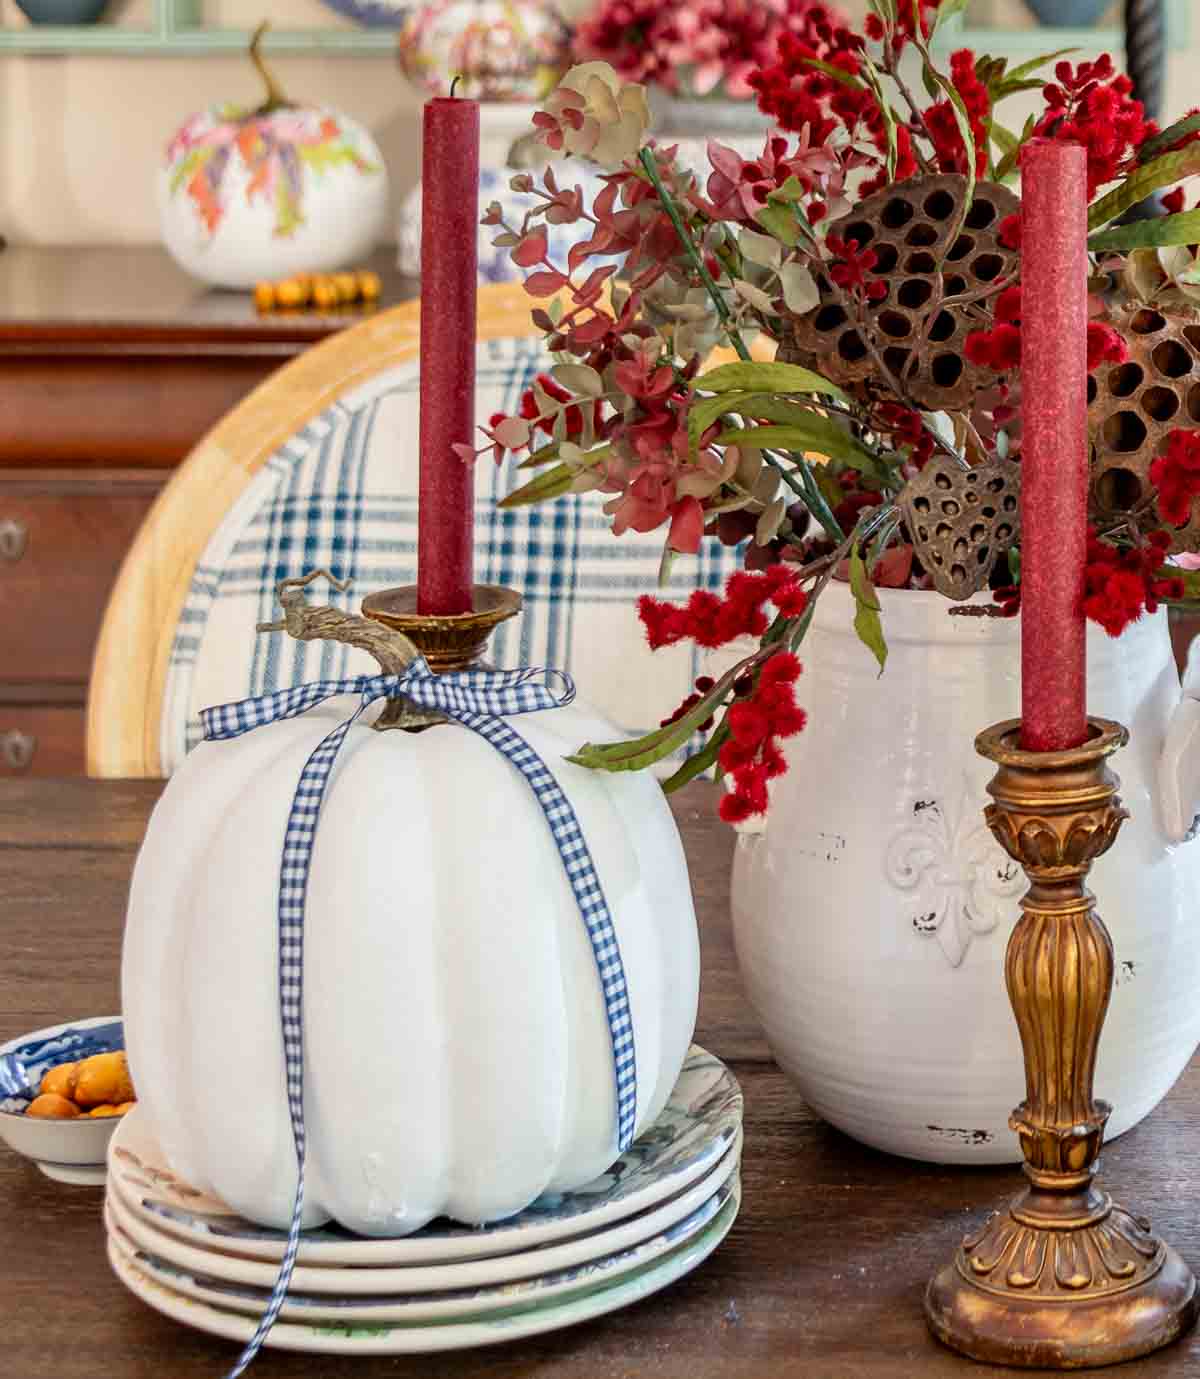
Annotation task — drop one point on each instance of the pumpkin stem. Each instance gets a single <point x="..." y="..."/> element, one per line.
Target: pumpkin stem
<point x="276" y="100"/>
<point x="392" y="649"/>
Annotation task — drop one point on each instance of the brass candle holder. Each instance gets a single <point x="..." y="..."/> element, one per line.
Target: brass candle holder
<point x="1064" y="1278"/>
<point x="450" y="641"/>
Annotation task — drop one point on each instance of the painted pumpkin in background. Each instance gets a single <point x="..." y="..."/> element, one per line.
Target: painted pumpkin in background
<point x="458" y="1056"/>
<point x="266" y="193"/>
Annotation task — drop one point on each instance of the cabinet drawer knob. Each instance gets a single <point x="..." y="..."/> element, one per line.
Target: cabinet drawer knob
<point x="17" y="749"/>
<point x="14" y="537"/>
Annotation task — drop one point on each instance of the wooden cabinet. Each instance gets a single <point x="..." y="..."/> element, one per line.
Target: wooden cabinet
<point x="113" y="364"/>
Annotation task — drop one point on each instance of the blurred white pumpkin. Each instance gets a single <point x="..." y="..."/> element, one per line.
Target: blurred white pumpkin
<point x="265" y="193"/>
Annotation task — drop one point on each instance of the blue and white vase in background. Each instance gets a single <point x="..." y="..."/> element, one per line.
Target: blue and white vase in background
<point x="1068" y="14"/>
<point x="502" y="124"/>
<point x="691" y="122"/>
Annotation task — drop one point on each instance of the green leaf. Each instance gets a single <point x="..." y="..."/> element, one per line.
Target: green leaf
<point x="1171" y="135"/>
<point x="645" y="751"/>
<point x="867" y="622"/>
<point x="767" y="377"/>
<point x="818" y="433"/>
<point x="698" y="762"/>
<point x="1005" y="139"/>
<point x="1161" y="232"/>
<point x="1027" y="69"/>
<point x="835" y="72"/>
<point x="885" y="110"/>
<point x="551" y="484"/>
<point x="962" y="120"/>
<point x="535" y="459"/>
<point x="947" y="10"/>
<point x="1161" y="172"/>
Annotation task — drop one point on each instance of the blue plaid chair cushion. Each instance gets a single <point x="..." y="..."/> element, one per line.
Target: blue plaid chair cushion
<point x="341" y="494"/>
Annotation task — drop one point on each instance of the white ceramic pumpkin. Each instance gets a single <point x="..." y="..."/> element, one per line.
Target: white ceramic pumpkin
<point x="458" y="1058"/>
<point x="245" y="195"/>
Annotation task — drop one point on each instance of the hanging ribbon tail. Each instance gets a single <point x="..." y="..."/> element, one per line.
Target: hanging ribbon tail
<point x="480" y="700"/>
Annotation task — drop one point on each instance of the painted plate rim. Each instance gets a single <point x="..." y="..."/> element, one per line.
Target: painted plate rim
<point x="427" y="1309"/>
<point x="443" y="1242"/>
<point x="431" y="1278"/>
<point x="401" y="1340"/>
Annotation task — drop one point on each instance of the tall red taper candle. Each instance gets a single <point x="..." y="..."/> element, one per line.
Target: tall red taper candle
<point x="449" y="255"/>
<point x="1054" y="448"/>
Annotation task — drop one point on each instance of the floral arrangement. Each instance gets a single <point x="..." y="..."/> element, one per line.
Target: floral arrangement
<point x="874" y="249"/>
<point x="710" y="46"/>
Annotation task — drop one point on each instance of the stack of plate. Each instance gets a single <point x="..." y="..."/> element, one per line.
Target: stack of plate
<point x="661" y="1209"/>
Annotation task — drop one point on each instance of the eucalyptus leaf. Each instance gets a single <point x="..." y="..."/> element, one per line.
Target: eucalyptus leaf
<point x="779" y="220"/>
<point x="755" y="296"/>
<point x="578" y="379"/>
<point x="867" y="622"/>
<point x="1157" y="233"/>
<point x="769" y="521"/>
<point x="763" y="250"/>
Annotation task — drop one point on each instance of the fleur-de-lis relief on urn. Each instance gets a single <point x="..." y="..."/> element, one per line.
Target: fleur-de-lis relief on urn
<point x="964" y="884"/>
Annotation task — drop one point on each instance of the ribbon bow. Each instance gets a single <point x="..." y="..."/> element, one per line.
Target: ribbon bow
<point x="476" y="699"/>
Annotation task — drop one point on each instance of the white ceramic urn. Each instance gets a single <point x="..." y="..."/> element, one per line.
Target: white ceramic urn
<point x="872" y="912"/>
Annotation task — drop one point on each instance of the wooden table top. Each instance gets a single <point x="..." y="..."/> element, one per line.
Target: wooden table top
<point x="821" y="1277"/>
<point x="72" y="295"/>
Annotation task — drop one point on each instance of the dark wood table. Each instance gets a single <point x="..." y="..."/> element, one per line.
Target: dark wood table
<point x="822" y="1275"/>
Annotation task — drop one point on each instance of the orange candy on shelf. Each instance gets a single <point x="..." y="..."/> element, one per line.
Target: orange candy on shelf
<point x="324" y="291"/>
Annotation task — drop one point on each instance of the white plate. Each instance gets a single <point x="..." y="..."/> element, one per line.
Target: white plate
<point x="427" y="1308"/>
<point x="695" y="1129"/>
<point x="334" y="1339"/>
<point x="349" y="1281"/>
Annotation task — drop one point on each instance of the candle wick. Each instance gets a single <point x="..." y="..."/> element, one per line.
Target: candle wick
<point x="453" y="84"/>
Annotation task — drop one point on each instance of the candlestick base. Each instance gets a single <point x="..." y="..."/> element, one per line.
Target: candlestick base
<point x="1063" y="1279"/>
<point x="1091" y="1289"/>
<point x="451" y="641"/>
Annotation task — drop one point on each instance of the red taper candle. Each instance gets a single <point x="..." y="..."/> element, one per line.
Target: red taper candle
<point x="449" y="264"/>
<point x="1054" y="447"/>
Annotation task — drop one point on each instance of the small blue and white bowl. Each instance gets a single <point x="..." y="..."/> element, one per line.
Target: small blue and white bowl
<point x="69" y="1151"/>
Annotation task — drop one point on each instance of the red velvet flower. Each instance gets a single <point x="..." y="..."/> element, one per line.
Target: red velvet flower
<point x="757" y="723"/>
<point x="1091" y="105"/>
<point x="943" y="126"/>
<point x="1176" y="476"/>
<point x="1121" y="584"/>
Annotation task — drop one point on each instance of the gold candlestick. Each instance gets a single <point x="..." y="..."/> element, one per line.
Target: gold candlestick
<point x="1064" y="1278"/>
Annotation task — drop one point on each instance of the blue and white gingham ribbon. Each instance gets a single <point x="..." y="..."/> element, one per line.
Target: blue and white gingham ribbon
<point x="477" y="699"/>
